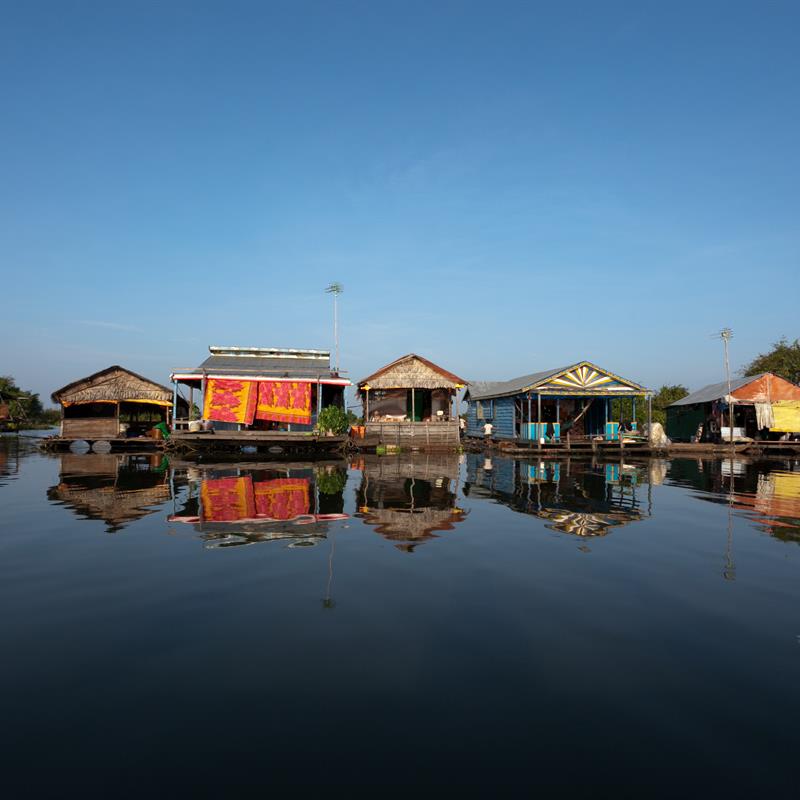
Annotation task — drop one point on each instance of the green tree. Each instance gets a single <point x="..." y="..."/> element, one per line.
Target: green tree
<point x="623" y="408"/>
<point x="783" y="360"/>
<point x="22" y="408"/>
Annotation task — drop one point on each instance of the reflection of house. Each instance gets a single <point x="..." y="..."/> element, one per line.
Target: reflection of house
<point x="411" y="400"/>
<point x="260" y="505"/>
<point x="761" y="403"/>
<point x="263" y="387"/>
<point x="769" y="491"/>
<point x="409" y="500"/>
<point x="777" y="500"/>
<point x="580" y="498"/>
<point x="116" y="489"/>
<point x="114" y="402"/>
<point x="576" y="399"/>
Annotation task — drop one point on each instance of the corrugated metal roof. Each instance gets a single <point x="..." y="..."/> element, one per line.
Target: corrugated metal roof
<point x="479" y="390"/>
<point x="303" y="368"/>
<point x="715" y="391"/>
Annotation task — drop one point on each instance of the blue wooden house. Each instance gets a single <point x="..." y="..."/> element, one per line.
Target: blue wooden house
<point x="546" y="405"/>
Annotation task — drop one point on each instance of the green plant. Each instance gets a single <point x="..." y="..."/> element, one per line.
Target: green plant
<point x="331" y="482"/>
<point x="333" y="419"/>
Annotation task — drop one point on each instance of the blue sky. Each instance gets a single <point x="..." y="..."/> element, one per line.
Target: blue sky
<point x="502" y="187"/>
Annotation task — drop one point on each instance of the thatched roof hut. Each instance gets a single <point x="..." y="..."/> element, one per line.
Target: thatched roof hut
<point x="113" y="384"/>
<point x="410" y="389"/>
<point x="111" y="402"/>
<point x="412" y="372"/>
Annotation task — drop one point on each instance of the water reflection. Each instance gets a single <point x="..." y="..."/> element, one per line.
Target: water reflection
<point x="409" y="500"/>
<point x="768" y="492"/>
<point x="233" y="506"/>
<point x="117" y="489"/>
<point x="582" y="498"/>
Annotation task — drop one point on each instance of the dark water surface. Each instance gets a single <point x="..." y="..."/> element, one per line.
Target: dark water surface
<point x="467" y="623"/>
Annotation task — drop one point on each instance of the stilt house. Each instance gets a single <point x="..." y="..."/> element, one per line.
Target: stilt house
<point x="113" y="403"/>
<point x="576" y="399"/>
<point x="261" y="387"/>
<point x="765" y="406"/>
<point x="411" y="399"/>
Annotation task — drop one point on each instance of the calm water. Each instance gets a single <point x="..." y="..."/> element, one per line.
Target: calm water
<point x="572" y="628"/>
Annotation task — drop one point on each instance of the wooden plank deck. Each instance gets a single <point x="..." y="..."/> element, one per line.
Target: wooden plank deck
<point x="276" y="443"/>
<point x="405" y="434"/>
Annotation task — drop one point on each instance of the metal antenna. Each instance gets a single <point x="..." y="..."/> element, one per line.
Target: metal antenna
<point x="335" y="289"/>
<point x="729" y="573"/>
<point x="726" y="334"/>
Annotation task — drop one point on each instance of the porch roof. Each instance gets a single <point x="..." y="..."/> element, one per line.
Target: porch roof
<point x="580" y="379"/>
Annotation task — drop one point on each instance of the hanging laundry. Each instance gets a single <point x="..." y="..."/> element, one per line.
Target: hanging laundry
<point x="284" y="401"/>
<point x="764" y="416"/>
<point x="230" y="401"/>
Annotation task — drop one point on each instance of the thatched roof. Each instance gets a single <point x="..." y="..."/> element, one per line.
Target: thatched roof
<point x="114" y="384"/>
<point x="407" y="527"/>
<point x="412" y="372"/>
<point x="116" y="507"/>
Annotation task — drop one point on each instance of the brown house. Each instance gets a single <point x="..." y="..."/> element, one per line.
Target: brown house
<point x="112" y="403"/>
<point x="411" y="399"/>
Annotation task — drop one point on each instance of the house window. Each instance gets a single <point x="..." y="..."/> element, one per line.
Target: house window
<point x="484" y="409"/>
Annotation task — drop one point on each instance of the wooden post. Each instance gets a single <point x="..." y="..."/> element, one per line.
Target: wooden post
<point x="319" y="400"/>
<point x="203" y="383"/>
<point x="413" y="407"/>
<point x="366" y="406"/>
<point x="174" y="404"/>
<point x="649" y="413"/>
<point x="539" y="419"/>
<point x="529" y="416"/>
<point x="191" y="401"/>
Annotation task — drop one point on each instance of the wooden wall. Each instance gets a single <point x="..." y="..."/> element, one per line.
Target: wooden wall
<point x="90" y="428"/>
<point x="502" y="418"/>
<point x="413" y="434"/>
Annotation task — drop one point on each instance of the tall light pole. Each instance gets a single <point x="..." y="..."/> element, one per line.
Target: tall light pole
<point x="726" y="334"/>
<point x="335" y="289"/>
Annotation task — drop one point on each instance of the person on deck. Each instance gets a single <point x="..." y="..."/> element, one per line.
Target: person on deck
<point x="487" y="431"/>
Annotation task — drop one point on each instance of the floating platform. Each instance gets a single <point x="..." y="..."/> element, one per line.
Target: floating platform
<point x="135" y="444"/>
<point x="610" y="449"/>
<point x="276" y="444"/>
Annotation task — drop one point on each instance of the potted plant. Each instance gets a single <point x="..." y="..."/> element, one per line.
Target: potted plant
<point x="332" y="421"/>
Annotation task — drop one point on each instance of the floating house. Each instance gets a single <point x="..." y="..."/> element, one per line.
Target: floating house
<point x="765" y="406"/>
<point x="411" y="402"/>
<point x="576" y="399"/>
<point x="114" y="403"/>
<point x="261" y="388"/>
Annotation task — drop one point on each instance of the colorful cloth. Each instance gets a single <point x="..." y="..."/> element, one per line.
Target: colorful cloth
<point x="282" y="498"/>
<point x="227" y="499"/>
<point x="284" y="401"/>
<point x="230" y="401"/>
<point x="786" y="416"/>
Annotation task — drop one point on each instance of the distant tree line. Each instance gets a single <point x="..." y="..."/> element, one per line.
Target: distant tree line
<point x="783" y="360"/>
<point x="20" y="409"/>
<point x="623" y="408"/>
